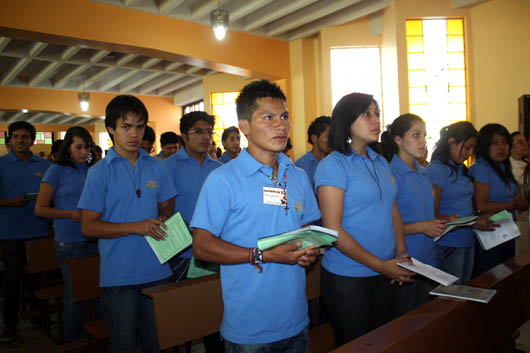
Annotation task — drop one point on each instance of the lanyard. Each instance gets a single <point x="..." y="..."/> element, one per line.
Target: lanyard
<point x="284" y="187"/>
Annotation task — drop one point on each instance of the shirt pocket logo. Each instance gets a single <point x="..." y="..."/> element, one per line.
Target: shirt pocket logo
<point x="39" y="174"/>
<point x="152" y="184"/>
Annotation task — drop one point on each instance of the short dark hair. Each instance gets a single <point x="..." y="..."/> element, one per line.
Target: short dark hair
<point x="64" y="157"/>
<point x="228" y="131"/>
<point x="149" y="134"/>
<point x="168" y="137"/>
<point x="346" y="111"/>
<point x="399" y="127"/>
<point x="119" y="106"/>
<point x="246" y="102"/>
<point x="487" y="132"/>
<point x="56" y="146"/>
<point x="22" y="125"/>
<point x="187" y="120"/>
<point x="317" y="127"/>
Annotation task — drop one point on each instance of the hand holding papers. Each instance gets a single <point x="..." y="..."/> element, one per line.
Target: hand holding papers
<point x="507" y="231"/>
<point x="429" y="272"/>
<point x="310" y="235"/>
<point x="178" y="238"/>
<point x="459" y="222"/>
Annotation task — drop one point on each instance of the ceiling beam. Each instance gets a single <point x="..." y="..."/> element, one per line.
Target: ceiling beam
<point x="139" y="81"/>
<point x="201" y="8"/>
<point x="172" y="66"/>
<point x="458" y="4"/>
<point x="4" y="41"/>
<point x="273" y="12"/>
<point x="69" y="52"/>
<point x="150" y="62"/>
<point x="166" y="6"/>
<point x="14" y="117"/>
<point x="92" y="79"/>
<point x="347" y="15"/>
<point x="62" y="79"/>
<point x="35" y="117"/>
<point x="307" y="15"/>
<point x="65" y="119"/>
<point x="247" y="8"/>
<point x="117" y="80"/>
<point x="44" y="73"/>
<point x="162" y="81"/>
<point x="125" y="59"/>
<point x="189" y="94"/>
<point x="17" y="67"/>
<point x="100" y="54"/>
<point x="179" y="84"/>
<point x="50" y="118"/>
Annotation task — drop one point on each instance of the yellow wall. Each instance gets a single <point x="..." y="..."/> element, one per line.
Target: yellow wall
<point x="500" y="32"/>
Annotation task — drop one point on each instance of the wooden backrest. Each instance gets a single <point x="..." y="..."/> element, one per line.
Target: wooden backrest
<point x="449" y="325"/>
<point x="85" y="277"/>
<point x="193" y="308"/>
<point x="41" y="255"/>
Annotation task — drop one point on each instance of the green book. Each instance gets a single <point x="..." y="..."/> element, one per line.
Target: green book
<point x="200" y="268"/>
<point x="178" y="238"/>
<point x="310" y="235"/>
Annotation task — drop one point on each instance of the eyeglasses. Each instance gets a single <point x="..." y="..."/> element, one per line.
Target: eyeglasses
<point x="200" y="131"/>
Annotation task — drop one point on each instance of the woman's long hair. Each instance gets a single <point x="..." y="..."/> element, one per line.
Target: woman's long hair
<point x="63" y="156"/>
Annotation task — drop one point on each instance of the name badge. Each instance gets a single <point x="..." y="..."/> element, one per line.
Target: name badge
<point x="274" y="196"/>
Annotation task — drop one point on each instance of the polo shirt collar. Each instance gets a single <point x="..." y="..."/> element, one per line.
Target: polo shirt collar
<point x="402" y="168"/>
<point x="12" y="158"/>
<point x="373" y="155"/>
<point x="112" y="155"/>
<point x="182" y="154"/>
<point x="250" y="165"/>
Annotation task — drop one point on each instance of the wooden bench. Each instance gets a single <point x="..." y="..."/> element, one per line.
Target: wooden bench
<point x="85" y="285"/>
<point x="193" y="309"/>
<point x="41" y="260"/>
<point x="451" y="325"/>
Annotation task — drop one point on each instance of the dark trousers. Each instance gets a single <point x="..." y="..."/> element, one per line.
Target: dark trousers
<point x="296" y="344"/>
<point x="487" y="259"/>
<point x="415" y="294"/>
<point x="357" y="305"/>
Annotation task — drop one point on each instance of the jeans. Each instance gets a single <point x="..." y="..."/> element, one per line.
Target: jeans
<point x="14" y="259"/>
<point x="456" y="261"/>
<point x="357" y="305"/>
<point x="73" y="312"/>
<point x="415" y="294"/>
<point x="123" y="305"/>
<point x="296" y="344"/>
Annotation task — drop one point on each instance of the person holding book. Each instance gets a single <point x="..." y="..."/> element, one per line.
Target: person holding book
<point x="21" y="173"/>
<point x="357" y="196"/>
<point x="317" y="136"/>
<point x="258" y="194"/>
<point x="126" y="197"/>
<point x="403" y="144"/>
<point x="495" y="190"/>
<point x="59" y="194"/>
<point x="189" y="168"/>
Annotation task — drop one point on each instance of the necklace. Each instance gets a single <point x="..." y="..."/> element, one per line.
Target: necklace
<point x="374" y="176"/>
<point x="284" y="188"/>
<point x="138" y="189"/>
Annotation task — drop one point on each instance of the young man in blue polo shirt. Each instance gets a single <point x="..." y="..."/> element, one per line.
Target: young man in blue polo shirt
<point x="260" y="193"/>
<point x="125" y="198"/>
<point x="189" y="168"/>
<point x="317" y="136"/>
<point x="20" y="173"/>
<point x="170" y="143"/>
<point x="231" y="140"/>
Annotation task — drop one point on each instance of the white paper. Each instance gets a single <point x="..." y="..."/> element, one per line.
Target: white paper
<point x="507" y="231"/>
<point x="428" y="271"/>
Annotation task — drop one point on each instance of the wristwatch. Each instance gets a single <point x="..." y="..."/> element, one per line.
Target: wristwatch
<point x="257" y="256"/>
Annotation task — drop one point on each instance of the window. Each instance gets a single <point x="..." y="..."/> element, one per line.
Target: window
<point x="43" y="138"/>
<point x="224" y="110"/>
<point x="437" y="73"/>
<point x="355" y="70"/>
<point x="193" y="107"/>
<point x="3" y="136"/>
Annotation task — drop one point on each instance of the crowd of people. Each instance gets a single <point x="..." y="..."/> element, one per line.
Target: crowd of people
<point x="371" y="188"/>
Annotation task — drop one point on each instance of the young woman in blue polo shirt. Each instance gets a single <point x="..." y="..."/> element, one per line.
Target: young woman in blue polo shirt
<point x="495" y="190"/>
<point x="61" y="186"/>
<point x="403" y="143"/>
<point x="357" y="197"/>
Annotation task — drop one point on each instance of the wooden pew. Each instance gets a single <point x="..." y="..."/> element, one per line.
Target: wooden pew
<point x="193" y="308"/>
<point x="41" y="260"/>
<point x="450" y="325"/>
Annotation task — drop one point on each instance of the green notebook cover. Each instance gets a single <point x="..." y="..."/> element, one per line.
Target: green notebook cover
<point x="178" y="239"/>
<point x="200" y="268"/>
<point x="310" y="235"/>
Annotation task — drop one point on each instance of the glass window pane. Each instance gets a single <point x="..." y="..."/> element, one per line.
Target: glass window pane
<point x="418" y="109"/>
<point x="457" y="77"/>
<point x="417" y="95"/>
<point x="457" y="94"/>
<point x="414" y="44"/>
<point x="417" y="78"/>
<point x="415" y="61"/>
<point x="455" y="43"/>
<point x="217" y="98"/>
<point x="40" y="142"/>
<point x="457" y="112"/>
<point x="2" y="141"/>
<point x="455" y="26"/>
<point x="48" y="141"/>
<point x="230" y="97"/>
<point x="455" y="60"/>
<point x="48" y="134"/>
<point x="414" y="27"/>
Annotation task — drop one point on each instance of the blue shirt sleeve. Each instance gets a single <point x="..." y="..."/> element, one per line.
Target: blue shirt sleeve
<point x="167" y="187"/>
<point x="331" y="172"/>
<point x="481" y="173"/>
<point x="95" y="190"/>
<point x="311" y="210"/>
<point x="52" y="177"/>
<point x="438" y="174"/>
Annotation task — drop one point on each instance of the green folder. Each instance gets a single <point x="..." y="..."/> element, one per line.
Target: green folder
<point x="178" y="238"/>
<point x="310" y="235"/>
<point x="501" y="215"/>
<point x="200" y="268"/>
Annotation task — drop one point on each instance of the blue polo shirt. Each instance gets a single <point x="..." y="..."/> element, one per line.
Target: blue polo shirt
<point x="18" y="177"/>
<point x="188" y="176"/>
<point x="110" y="189"/>
<point x="482" y="172"/>
<point x="415" y="199"/>
<point x="369" y="194"/>
<point x="272" y="305"/>
<point x="309" y="163"/>
<point x="224" y="158"/>
<point x="457" y="198"/>
<point x="67" y="183"/>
